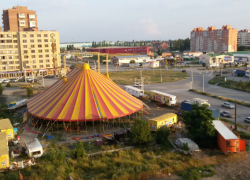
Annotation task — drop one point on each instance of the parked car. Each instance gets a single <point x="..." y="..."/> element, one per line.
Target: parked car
<point x="226" y="114"/>
<point x="6" y="80"/>
<point x="137" y="85"/>
<point x="49" y="76"/>
<point x="14" y="80"/>
<point x="21" y="79"/>
<point x="227" y="105"/>
<point x="247" y="119"/>
<point x="184" y="71"/>
<point x="1" y="80"/>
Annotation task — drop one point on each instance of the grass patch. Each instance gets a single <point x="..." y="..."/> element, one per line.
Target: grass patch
<point x="128" y="77"/>
<point x="197" y="173"/>
<point x="243" y="103"/>
<point x="242" y="134"/>
<point x="230" y="122"/>
<point x="231" y="84"/>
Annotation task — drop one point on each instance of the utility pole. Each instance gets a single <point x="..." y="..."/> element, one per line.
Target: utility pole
<point x="203" y="82"/>
<point x="235" y="116"/>
<point x="192" y="77"/>
<point x="161" y="74"/>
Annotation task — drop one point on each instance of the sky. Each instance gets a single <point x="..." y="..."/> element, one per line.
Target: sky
<point x="127" y="20"/>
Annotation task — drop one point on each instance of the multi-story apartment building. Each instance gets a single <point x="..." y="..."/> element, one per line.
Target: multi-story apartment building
<point x="243" y="38"/>
<point x="214" y="40"/>
<point x="29" y="50"/>
<point x="19" y="18"/>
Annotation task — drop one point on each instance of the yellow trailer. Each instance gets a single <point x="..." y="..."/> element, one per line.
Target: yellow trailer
<point x="167" y="119"/>
<point x="163" y="98"/>
<point x="6" y="126"/>
<point x="4" y="151"/>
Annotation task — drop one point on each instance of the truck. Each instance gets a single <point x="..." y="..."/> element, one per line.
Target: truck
<point x="188" y="106"/>
<point x="134" y="91"/>
<point x="34" y="148"/>
<point x="201" y="101"/>
<point x="167" y="119"/>
<point x="163" y="98"/>
<point x="227" y="140"/>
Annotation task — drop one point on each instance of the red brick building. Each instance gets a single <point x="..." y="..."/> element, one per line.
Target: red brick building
<point x="116" y="50"/>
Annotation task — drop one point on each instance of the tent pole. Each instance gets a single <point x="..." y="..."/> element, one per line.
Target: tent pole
<point x="86" y="127"/>
<point x="93" y="127"/>
<point x="77" y="127"/>
<point x="119" y="122"/>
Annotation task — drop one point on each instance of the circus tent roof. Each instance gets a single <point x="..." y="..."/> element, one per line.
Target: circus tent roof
<point x="86" y="95"/>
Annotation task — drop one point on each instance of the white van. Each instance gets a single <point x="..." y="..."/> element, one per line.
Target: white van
<point x="134" y="91"/>
<point x="201" y="101"/>
<point x="34" y="148"/>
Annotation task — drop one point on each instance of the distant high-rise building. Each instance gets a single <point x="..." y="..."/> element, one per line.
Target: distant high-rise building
<point x="214" y="40"/>
<point x="243" y="38"/>
<point x="19" y="18"/>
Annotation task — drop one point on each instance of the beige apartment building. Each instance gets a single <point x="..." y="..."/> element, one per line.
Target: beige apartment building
<point x="32" y="52"/>
<point x="214" y="40"/>
<point x="19" y="18"/>
<point x="243" y="38"/>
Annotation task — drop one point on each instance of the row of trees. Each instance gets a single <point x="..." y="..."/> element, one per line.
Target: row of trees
<point x="126" y="43"/>
<point x="180" y="44"/>
<point x="70" y="47"/>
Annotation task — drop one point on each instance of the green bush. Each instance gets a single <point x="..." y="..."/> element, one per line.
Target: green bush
<point x="197" y="173"/>
<point x="8" y="85"/>
<point x="1" y="89"/>
<point x="161" y="135"/>
<point x="79" y="150"/>
<point x="29" y="92"/>
<point x="140" y="133"/>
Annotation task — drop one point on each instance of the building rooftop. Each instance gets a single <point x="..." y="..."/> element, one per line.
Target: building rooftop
<point x="219" y="54"/>
<point x="137" y="56"/>
<point x="116" y="47"/>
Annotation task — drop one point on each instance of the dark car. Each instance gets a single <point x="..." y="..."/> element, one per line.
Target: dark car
<point x="49" y="76"/>
<point x="184" y="71"/>
<point x="226" y="114"/>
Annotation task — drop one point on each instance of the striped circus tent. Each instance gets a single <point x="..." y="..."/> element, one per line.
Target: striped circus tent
<point x="86" y="95"/>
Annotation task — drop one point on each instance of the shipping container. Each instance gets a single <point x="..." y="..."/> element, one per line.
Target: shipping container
<point x="4" y="151"/>
<point x="6" y="126"/>
<point x="163" y="98"/>
<point x="215" y="112"/>
<point x="227" y="140"/>
<point x="167" y="119"/>
<point x="240" y="72"/>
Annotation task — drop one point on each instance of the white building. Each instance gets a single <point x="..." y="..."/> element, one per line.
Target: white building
<point x="215" y="60"/>
<point x="243" y="38"/>
<point x="130" y="59"/>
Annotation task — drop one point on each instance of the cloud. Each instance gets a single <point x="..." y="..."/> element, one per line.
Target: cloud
<point x="149" y="27"/>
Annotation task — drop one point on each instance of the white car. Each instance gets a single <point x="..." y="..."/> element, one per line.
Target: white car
<point x="247" y="119"/>
<point x="1" y="80"/>
<point x="14" y="80"/>
<point x="227" y="105"/>
<point x="6" y="80"/>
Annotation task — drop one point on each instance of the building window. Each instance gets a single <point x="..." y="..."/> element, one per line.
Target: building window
<point x="11" y="62"/>
<point x="14" y="36"/>
<point x="24" y="41"/>
<point x="21" y="22"/>
<point x="39" y="45"/>
<point x="33" y="51"/>
<point x="21" y="15"/>
<point x="15" y="41"/>
<point x="45" y="35"/>
<point x="40" y="51"/>
<point x="46" y="50"/>
<point x="2" y="41"/>
<point x="46" y="40"/>
<point x="39" y="40"/>
<point x="32" y="46"/>
<point x="8" y="41"/>
<point x="26" y="57"/>
<point x="46" y="45"/>
<point x="16" y="62"/>
<point x="33" y="56"/>
<point x="47" y="65"/>
<point x="40" y="56"/>
<point x="32" y="23"/>
<point x="41" y="66"/>
<point x="34" y="61"/>
<point x="38" y="35"/>
<point x="31" y="35"/>
<point x="17" y="67"/>
<point x="25" y="51"/>
<point x="47" y="55"/>
<point x="40" y="61"/>
<point x="47" y="60"/>
<point x="34" y="66"/>
<point x="24" y="35"/>
<point x="16" y="46"/>
<point x="32" y="40"/>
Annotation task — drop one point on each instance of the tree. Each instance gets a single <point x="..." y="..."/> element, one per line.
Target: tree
<point x="198" y="122"/>
<point x="159" y="52"/>
<point x="29" y="91"/>
<point x="161" y="135"/>
<point x="140" y="133"/>
<point x="1" y="89"/>
<point x="79" y="150"/>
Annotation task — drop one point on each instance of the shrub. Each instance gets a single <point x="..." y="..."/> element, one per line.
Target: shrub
<point x="79" y="150"/>
<point x="29" y="92"/>
<point x="1" y="89"/>
<point x="8" y="85"/>
<point x="140" y="133"/>
<point x="161" y="135"/>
